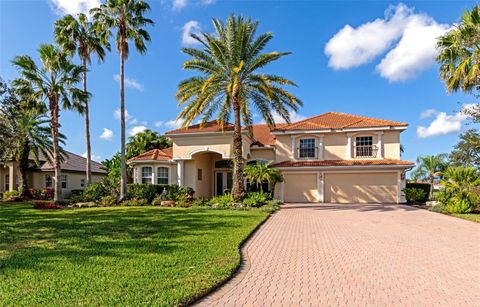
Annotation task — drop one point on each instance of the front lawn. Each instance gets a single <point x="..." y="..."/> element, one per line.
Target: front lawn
<point x="117" y="256"/>
<point x="468" y="216"/>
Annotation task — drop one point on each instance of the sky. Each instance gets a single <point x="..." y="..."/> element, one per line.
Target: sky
<point x="371" y="58"/>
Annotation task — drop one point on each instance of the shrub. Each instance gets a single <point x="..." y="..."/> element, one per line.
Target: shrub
<point x="76" y="192"/>
<point x="108" y="201"/>
<point x="201" y="202"/>
<point x="184" y="201"/>
<point x="157" y="200"/>
<point x="135" y="202"/>
<point x="146" y="191"/>
<point x="256" y="199"/>
<point x="108" y="186"/>
<point x="457" y="204"/>
<point x="48" y="193"/>
<point x="46" y="205"/>
<point x="11" y="195"/>
<point x="271" y="205"/>
<point x="222" y="201"/>
<point x="415" y="195"/>
<point x="422" y="186"/>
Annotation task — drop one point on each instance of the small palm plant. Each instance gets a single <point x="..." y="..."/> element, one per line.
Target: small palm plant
<point x="261" y="172"/>
<point x="461" y="189"/>
<point x="55" y="81"/>
<point x="78" y="35"/>
<point x="231" y="82"/>
<point x="127" y="18"/>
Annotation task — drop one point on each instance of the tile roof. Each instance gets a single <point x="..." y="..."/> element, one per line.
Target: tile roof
<point x="72" y="162"/>
<point x="337" y="120"/>
<point x="155" y="155"/>
<point x="211" y="126"/>
<point x="343" y="163"/>
<point x="262" y="135"/>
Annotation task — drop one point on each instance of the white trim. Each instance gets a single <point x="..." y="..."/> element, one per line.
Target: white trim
<point x="399" y="187"/>
<point x="353" y="167"/>
<point x="379" y="145"/>
<point x="202" y="133"/>
<point x="278" y="132"/>
<point x="262" y="147"/>
<point x="180" y="165"/>
<point x="349" y="146"/>
<point x="207" y="149"/>
<point x="133" y="163"/>
<point x="294" y="147"/>
<point x="282" y="191"/>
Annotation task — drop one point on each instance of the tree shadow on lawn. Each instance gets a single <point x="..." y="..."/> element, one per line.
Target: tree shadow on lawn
<point x="37" y="239"/>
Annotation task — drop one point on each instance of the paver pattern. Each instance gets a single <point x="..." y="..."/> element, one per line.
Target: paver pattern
<point x="357" y="255"/>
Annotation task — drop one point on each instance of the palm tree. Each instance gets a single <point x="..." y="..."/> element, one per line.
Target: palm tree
<point x="126" y="16"/>
<point x="263" y="171"/>
<point x="55" y="81"/>
<point x="145" y="141"/>
<point x="431" y="167"/>
<point x="79" y="35"/>
<point x="229" y="80"/>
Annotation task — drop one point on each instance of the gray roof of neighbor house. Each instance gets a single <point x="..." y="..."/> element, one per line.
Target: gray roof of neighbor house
<point x="71" y="162"/>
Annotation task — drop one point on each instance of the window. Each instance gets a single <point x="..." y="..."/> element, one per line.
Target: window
<point x="199" y="174"/>
<point x="48" y="181"/>
<point x="82" y="183"/>
<point x="7" y="182"/>
<point x="146" y="175"/>
<point x="364" y="146"/>
<point x="162" y="175"/>
<point x="63" y="181"/>
<point x="224" y="164"/>
<point x="307" y="148"/>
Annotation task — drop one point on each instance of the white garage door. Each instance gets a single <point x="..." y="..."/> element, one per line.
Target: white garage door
<point x="361" y="188"/>
<point x="301" y="187"/>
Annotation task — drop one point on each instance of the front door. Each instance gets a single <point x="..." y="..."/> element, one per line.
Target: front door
<point x="223" y="182"/>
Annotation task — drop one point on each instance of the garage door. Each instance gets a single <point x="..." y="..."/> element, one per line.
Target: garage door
<point x="301" y="187"/>
<point x="361" y="188"/>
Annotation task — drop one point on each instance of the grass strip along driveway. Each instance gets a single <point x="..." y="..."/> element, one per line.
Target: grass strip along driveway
<point x="119" y="255"/>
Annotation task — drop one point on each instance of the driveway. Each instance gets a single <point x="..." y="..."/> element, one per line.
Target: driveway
<point x="357" y="255"/>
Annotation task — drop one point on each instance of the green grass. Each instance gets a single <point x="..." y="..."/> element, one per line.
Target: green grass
<point x="468" y="216"/>
<point x="117" y="256"/>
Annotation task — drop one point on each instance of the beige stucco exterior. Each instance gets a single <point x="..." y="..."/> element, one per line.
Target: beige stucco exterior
<point x="198" y="152"/>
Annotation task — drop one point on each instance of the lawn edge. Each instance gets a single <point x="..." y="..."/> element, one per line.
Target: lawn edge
<point x="199" y="297"/>
<point x="443" y="213"/>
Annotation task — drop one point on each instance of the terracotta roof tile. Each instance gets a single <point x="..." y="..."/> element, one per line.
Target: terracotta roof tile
<point x="211" y="126"/>
<point x="155" y="155"/>
<point x="343" y="163"/>
<point x="337" y="120"/>
<point x="262" y="135"/>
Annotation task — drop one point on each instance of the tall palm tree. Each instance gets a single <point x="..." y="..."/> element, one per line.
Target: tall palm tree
<point x="431" y="167"/>
<point x="78" y="35"/>
<point x="145" y="141"/>
<point x="55" y="81"/>
<point x="229" y="81"/>
<point x="127" y="18"/>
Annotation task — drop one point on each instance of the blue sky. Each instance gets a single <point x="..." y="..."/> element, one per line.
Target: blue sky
<point x="372" y="58"/>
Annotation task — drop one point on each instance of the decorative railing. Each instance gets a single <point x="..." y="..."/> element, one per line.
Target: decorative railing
<point x="365" y="151"/>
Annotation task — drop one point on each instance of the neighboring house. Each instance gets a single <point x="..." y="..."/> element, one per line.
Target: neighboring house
<point x="333" y="157"/>
<point x="73" y="174"/>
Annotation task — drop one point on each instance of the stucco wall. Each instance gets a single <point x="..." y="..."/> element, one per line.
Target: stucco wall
<point x="391" y="141"/>
<point x="262" y="154"/>
<point x="301" y="187"/>
<point x="73" y="181"/>
<point x="203" y="188"/>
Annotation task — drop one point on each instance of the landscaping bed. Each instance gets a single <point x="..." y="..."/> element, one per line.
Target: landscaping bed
<point x="117" y="255"/>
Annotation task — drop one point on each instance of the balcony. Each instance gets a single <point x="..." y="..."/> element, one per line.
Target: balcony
<point x="365" y="151"/>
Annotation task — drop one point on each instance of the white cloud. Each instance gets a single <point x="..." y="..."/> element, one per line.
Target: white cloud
<point x="130" y="83"/>
<point x="188" y="28"/>
<point x="415" y="51"/>
<point x="93" y="157"/>
<point x="173" y="124"/>
<point x="294" y="117"/>
<point x="427" y="113"/>
<point x="444" y="124"/>
<point x="136" y="130"/>
<point x="107" y="134"/>
<point x="63" y="7"/>
<point x="158" y="124"/>
<point x="178" y="5"/>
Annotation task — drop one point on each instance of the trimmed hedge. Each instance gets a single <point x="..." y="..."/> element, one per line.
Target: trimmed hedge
<point x="422" y="186"/>
<point x="151" y="191"/>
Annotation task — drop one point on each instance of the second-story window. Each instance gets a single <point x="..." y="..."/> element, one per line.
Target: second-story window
<point x="146" y="175"/>
<point x="307" y="148"/>
<point x="364" y="147"/>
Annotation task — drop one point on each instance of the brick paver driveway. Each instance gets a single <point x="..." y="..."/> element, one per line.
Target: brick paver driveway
<point x="357" y="255"/>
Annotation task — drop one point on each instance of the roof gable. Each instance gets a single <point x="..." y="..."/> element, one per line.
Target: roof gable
<point x="211" y="126"/>
<point x="154" y="155"/>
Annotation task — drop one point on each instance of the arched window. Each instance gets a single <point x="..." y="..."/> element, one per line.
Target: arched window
<point x="162" y="175"/>
<point x="146" y="175"/>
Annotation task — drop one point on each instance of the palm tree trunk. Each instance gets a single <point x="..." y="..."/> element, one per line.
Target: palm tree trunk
<point x="23" y="165"/>
<point x="238" y="188"/>
<point x="87" y="127"/>
<point x="431" y="187"/>
<point x="123" y="179"/>
<point x="56" y="149"/>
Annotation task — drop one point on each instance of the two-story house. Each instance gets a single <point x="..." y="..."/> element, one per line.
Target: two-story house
<point x="333" y="157"/>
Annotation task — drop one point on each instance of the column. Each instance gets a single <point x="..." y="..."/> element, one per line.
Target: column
<point x="320" y="187"/>
<point x="12" y="174"/>
<point x="380" y="145"/>
<point x="294" y="147"/>
<point x="180" y="164"/>
<point x="321" y="148"/>
<point x="154" y="174"/>
<point x="400" y="186"/>
<point x="282" y="191"/>
<point x="349" y="146"/>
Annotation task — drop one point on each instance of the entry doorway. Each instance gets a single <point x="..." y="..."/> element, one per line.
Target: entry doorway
<point x="223" y="182"/>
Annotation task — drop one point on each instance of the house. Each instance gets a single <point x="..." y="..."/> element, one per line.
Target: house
<point x="40" y="177"/>
<point x="333" y="157"/>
